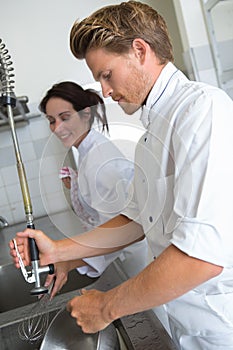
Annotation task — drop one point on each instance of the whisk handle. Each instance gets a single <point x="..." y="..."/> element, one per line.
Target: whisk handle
<point x="34" y="252"/>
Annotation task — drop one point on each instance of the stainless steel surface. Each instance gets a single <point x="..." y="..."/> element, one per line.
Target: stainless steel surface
<point x="9" y="338"/>
<point x="139" y="331"/>
<point x="63" y="333"/>
<point x="11" y="279"/>
<point x="35" y="326"/>
<point x="15" y="292"/>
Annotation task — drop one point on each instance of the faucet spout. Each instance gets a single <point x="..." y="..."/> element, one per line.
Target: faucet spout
<point x="3" y="222"/>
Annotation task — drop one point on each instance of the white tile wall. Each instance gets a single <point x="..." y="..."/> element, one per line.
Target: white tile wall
<point x="42" y="157"/>
<point x="27" y="151"/>
<point x="55" y="203"/>
<point x="14" y="193"/>
<point x="7" y="213"/>
<point x="42" y="128"/>
<point x="38" y="207"/>
<point x="32" y="169"/>
<point x="209" y="76"/>
<point x="9" y="174"/>
<point x="200" y="65"/>
<point x="3" y="196"/>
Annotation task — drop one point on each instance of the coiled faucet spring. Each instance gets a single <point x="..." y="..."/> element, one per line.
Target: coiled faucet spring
<point x="6" y="70"/>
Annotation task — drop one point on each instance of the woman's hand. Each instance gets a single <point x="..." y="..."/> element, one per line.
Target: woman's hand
<point x="60" y="277"/>
<point x="67" y="182"/>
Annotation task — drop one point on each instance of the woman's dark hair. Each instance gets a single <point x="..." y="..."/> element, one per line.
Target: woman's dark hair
<point x="80" y="99"/>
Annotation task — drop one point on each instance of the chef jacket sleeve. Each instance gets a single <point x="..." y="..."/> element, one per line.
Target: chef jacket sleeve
<point x="97" y="265"/>
<point x="203" y="180"/>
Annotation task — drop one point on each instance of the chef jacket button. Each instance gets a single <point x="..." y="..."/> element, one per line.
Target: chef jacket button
<point x="91" y="220"/>
<point x="150" y="219"/>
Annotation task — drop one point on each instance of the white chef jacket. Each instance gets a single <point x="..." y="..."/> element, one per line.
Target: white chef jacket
<point x="99" y="192"/>
<point x="184" y="190"/>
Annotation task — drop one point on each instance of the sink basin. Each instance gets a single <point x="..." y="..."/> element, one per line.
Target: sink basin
<point x="138" y="331"/>
<point x="16" y="300"/>
<point x="15" y="291"/>
<point x="58" y="336"/>
<point x="63" y="333"/>
<point x="16" y="304"/>
<point x="9" y="337"/>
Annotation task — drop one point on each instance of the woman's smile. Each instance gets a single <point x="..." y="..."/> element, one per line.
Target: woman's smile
<point x="65" y="122"/>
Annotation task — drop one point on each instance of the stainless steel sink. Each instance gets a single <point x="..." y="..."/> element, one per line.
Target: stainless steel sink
<point x="16" y="302"/>
<point x="15" y="297"/>
<point x="9" y="337"/>
<point x="138" y="331"/>
<point x="60" y="335"/>
<point x="15" y="291"/>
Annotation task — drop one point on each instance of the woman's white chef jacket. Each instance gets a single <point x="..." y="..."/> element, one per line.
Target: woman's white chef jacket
<point x="184" y="190"/>
<point x="100" y="192"/>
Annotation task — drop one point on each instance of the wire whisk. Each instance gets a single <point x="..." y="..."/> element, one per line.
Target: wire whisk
<point x="35" y="326"/>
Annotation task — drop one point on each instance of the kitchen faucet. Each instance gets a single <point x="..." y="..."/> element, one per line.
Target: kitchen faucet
<point x="3" y="222"/>
<point x="8" y="100"/>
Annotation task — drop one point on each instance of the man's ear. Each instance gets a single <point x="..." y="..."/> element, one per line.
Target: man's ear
<point x="140" y="48"/>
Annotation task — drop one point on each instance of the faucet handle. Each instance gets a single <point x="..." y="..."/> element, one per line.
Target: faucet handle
<point x="3" y="222"/>
<point x="28" y="275"/>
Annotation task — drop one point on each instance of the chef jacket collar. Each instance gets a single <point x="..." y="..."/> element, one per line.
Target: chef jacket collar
<point x="157" y="91"/>
<point x="87" y="143"/>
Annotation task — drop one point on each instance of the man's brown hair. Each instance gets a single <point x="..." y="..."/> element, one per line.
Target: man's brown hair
<point x="115" y="27"/>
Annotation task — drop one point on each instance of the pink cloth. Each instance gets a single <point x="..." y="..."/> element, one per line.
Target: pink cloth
<point x="67" y="172"/>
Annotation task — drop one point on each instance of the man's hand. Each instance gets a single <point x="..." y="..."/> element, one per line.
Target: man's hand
<point x="155" y="285"/>
<point x="89" y="310"/>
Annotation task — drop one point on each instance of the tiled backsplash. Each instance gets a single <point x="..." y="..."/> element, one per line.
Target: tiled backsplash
<point x="200" y="66"/>
<point x="42" y="155"/>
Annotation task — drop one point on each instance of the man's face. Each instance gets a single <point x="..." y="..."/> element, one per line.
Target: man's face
<point x="122" y="77"/>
